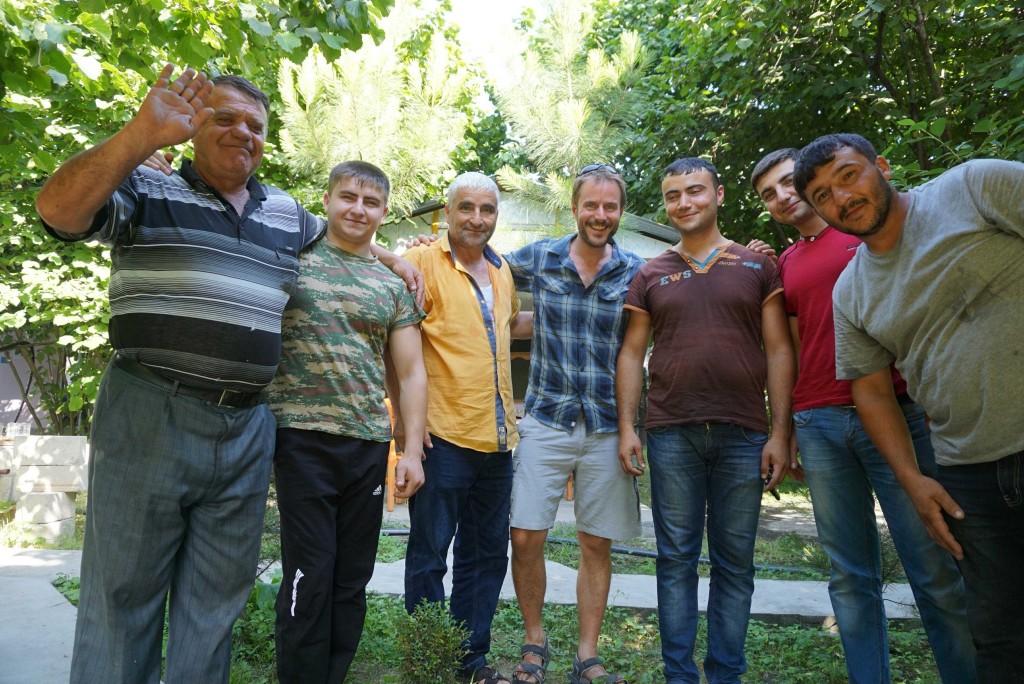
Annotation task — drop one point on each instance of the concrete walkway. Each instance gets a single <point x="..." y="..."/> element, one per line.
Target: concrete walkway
<point x="37" y="624"/>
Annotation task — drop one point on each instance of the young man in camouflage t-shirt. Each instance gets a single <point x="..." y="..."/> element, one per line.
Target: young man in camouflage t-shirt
<point x="347" y="314"/>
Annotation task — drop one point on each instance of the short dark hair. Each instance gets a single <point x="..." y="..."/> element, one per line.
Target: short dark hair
<point x="364" y="172"/>
<point x="770" y="161"/>
<point x="602" y="172"/>
<point x="689" y="165"/>
<point x="822" y="151"/>
<point x="243" y="86"/>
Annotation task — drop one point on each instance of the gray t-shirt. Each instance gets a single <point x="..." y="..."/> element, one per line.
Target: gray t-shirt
<point x="947" y="305"/>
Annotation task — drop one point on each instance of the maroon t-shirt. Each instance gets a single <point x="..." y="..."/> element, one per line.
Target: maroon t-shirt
<point x="809" y="270"/>
<point x="708" y="364"/>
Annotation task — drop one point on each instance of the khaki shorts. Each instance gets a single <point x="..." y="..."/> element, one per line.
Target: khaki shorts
<point x="606" y="499"/>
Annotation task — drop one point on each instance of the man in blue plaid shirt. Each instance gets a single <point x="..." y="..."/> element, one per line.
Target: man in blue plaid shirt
<point x="579" y="284"/>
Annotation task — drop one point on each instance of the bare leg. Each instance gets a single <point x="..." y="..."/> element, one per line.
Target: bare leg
<point x="592" y="584"/>
<point x="530" y="579"/>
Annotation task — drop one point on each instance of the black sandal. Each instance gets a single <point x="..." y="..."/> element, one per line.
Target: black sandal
<point x="487" y="675"/>
<point x="578" y="668"/>
<point x="532" y="669"/>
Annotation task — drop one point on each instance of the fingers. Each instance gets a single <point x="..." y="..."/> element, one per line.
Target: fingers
<point x="165" y="76"/>
<point x="160" y="162"/>
<point x="426" y="442"/>
<point x="419" y="289"/>
<point x="943" y="536"/>
<point x="631" y="456"/>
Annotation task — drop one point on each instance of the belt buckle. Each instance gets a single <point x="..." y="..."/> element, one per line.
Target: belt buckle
<point x="223" y="395"/>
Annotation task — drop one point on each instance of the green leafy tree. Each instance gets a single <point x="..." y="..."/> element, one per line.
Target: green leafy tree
<point x="931" y="83"/>
<point x="569" y="106"/>
<point x="72" y="72"/>
<point x="401" y="109"/>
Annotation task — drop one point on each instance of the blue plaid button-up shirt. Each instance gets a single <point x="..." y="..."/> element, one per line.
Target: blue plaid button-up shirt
<point x="577" y="333"/>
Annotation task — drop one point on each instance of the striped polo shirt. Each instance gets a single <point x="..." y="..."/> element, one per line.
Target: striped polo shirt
<point x="197" y="291"/>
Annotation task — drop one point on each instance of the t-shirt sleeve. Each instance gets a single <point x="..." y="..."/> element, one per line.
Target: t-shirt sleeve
<point x="406" y="311"/>
<point x="772" y="281"/>
<point x="111" y="221"/>
<point x="996" y="187"/>
<point x="636" y="297"/>
<point x="522" y="263"/>
<point x="857" y="353"/>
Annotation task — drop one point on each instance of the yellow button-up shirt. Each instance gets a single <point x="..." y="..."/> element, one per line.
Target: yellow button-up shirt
<point x="466" y="354"/>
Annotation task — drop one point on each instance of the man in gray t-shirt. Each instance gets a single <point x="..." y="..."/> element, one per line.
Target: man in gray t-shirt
<point x="937" y="287"/>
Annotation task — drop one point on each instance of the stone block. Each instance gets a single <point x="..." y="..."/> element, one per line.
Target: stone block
<point x="47" y="450"/>
<point x="45" y="507"/>
<point x="38" y="478"/>
<point x="43" y="463"/>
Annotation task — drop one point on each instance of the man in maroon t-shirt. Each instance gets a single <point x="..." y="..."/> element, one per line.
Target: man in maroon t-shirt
<point x="841" y="465"/>
<point x="720" y="336"/>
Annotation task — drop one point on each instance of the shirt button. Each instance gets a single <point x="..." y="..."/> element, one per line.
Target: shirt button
<point x="572" y="424"/>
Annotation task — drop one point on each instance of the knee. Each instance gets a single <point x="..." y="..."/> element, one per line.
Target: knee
<point x="528" y="544"/>
<point x="592" y="546"/>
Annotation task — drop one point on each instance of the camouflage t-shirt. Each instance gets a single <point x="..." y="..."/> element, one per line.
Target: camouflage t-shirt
<point x="336" y="326"/>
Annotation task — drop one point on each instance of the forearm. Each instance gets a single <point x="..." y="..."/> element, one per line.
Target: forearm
<point x="883" y="421"/>
<point x="781" y="379"/>
<point x="629" y="377"/>
<point x="78" y="190"/>
<point x="413" y="408"/>
<point x="522" y="326"/>
<point x="385" y="256"/>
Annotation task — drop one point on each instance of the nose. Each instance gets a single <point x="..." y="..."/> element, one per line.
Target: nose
<point x="241" y="130"/>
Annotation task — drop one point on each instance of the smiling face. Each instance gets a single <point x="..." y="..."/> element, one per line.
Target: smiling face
<point x="775" y="188"/>
<point x="692" y="201"/>
<point x="472" y="216"/>
<point x="597" y="210"/>
<point x="355" y="209"/>
<point x="852" y="192"/>
<point x="229" y="145"/>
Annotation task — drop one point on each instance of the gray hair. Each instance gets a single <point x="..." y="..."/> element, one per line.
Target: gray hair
<point x="472" y="180"/>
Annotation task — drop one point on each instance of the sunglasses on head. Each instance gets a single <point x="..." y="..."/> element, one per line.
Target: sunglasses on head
<point x="590" y="168"/>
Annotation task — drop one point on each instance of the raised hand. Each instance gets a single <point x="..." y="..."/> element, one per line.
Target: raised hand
<point x="174" y="110"/>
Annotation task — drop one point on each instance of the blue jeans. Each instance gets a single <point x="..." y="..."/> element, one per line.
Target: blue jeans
<point x="992" y="536"/>
<point x="712" y="467"/>
<point x="842" y="468"/>
<point x="466" y="496"/>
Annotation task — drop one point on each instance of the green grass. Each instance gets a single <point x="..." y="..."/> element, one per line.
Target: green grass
<point x="630" y="641"/>
<point x="630" y="644"/>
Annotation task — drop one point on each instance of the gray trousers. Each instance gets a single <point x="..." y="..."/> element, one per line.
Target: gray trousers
<point x="177" y="493"/>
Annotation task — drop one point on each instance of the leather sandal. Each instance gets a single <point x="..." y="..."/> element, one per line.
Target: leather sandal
<point x="579" y="668"/>
<point x="533" y="669"/>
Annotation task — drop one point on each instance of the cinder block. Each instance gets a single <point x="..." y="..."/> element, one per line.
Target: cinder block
<point x="61" y="478"/>
<point x="50" y="450"/>
<point x="45" y="507"/>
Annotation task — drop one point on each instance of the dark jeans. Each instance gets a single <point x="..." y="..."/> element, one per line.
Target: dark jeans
<point x="330" y="493"/>
<point x="710" y="469"/>
<point x="992" y="536"/>
<point x="466" y="497"/>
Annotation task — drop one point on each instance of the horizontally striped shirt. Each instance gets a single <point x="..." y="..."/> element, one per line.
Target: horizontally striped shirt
<point x="197" y="291"/>
<point x="577" y="333"/>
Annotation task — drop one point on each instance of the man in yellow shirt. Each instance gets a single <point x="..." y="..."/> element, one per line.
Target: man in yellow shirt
<point x="472" y="312"/>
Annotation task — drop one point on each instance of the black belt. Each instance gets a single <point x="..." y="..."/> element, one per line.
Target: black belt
<point x="217" y="397"/>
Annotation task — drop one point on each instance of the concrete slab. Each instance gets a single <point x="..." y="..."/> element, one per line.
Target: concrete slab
<point x="36" y="632"/>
